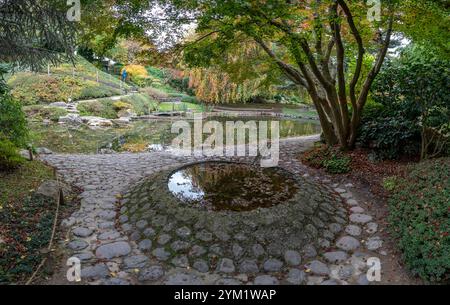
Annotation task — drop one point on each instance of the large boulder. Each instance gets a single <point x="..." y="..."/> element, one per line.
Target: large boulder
<point x="50" y="188"/>
<point x="94" y="121"/>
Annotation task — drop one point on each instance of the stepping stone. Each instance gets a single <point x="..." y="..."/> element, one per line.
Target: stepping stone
<point x="248" y="266"/>
<point x="228" y="281"/>
<point x="273" y="265"/>
<point x="318" y="268"/>
<point x="266" y="280"/>
<point x="357" y="209"/>
<point x="183" y="232"/>
<point x="258" y="250"/>
<point x="374" y="243"/>
<point x="145" y="245"/>
<point x="197" y="251"/>
<point x="353" y="230"/>
<point x="336" y="257"/>
<point x="226" y="265"/>
<point x="116" y="249"/>
<point x="352" y="202"/>
<point x="183" y="278"/>
<point x="309" y="251"/>
<point x="164" y="239"/>
<point x="161" y="254"/>
<point x="347" y="243"/>
<point x="371" y="227"/>
<point x="296" y="276"/>
<point x="77" y="245"/>
<point x="136" y="261"/>
<point x="360" y="218"/>
<point x="339" y="190"/>
<point x="292" y="258"/>
<point x="201" y="266"/>
<point x="82" y="232"/>
<point x="152" y="273"/>
<point x="95" y="272"/>
<point x="141" y="224"/>
<point x="181" y="261"/>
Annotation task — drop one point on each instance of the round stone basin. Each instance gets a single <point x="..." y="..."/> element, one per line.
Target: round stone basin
<point x="218" y="186"/>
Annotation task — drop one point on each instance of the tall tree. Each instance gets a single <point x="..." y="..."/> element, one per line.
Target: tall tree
<point x="310" y="41"/>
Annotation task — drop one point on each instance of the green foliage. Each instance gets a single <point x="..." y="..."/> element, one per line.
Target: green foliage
<point x="411" y="108"/>
<point x="9" y="157"/>
<point x="331" y="159"/>
<point x="102" y="108"/>
<point x="420" y="219"/>
<point x="40" y="112"/>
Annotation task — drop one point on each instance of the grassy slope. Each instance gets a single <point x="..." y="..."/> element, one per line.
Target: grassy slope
<point x="41" y="88"/>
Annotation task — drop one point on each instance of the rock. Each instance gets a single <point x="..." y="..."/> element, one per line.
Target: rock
<point x="273" y="265"/>
<point x="135" y="261"/>
<point x="77" y="245"/>
<point x="72" y="119"/>
<point x="58" y="104"/>
<point x="201" y="266"/>
<point x="197" y="251"/>
<point x="228" y="281"/>
<point x="329" y="282"/>
<point x="352" y="202"/>
<point x="204" y="236"/>
<point x="266" y="280"/>
<point x="95" y="272"/>
<point x="258" y="250"/>
<point x="141" y="224"/>
<point x="149" y="232"/>
<point x="25" y="154"/>
<point x="50" y="188"/>
<point x="318" y="268"/>
<point x="309" y="251"/>
<point x="292" y="258"/>
<point x="122" y="121"/>
<point x="181" y="261"/>
<point x="339" y="190"/>
<point x="360" y="218"/>
<point x="96" y="121"/>
<point x="43" y="151"/>
<point x="226" y="265"/>
<point x="237" y="251"/>
<point x="183" y="278"/>
<point x="248" y="266"/>
<point x="161" y="254"/>
<point x="362" y="280"/>
<point x="353" y="230"/>
<point x="145" y="245"/>
<point x="116" y="282"/>
<point x="336" y="257"/>
<point x="357" y="209"/>
<point x="152" y="273"/>
<point x="374" y="243"/>
<point x="346" y="272"/>
<point x="112" y="250"/>
<point x="347" y="243"/>
<point x="371" y="227"/>
<point x="180" y="245"/>
<point x="164" y="239"/>
<point x="335" y="228"/>
<point x="315" y="280"/>
<point x="296" y="276"/>
<point x="183" y="232"/>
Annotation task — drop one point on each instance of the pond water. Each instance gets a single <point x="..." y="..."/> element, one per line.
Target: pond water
<point x="218" y="186"/>
<point x="139" y="136"/>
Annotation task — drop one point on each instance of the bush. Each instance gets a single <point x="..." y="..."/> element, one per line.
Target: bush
<point x="118" y="106"/>
<point x="103" y="108"/>
<point x="39" y="112"/>
<point x="420" y="219"/>
<point x="331" y="159"/>
<point x="13" y="124"/>
<point x="9" y="157"/>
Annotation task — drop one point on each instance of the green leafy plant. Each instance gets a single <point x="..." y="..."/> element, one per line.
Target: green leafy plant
<point x="420" y="219"/>
<point x="9" y="157"/>
<point x="331" y="159"/>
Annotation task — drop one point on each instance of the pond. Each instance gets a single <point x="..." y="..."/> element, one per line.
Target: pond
<point x="220" y="186"/>
<point x="139" y="136"/>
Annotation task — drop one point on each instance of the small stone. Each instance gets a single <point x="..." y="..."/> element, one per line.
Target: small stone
<point x="180" y="245"/>
<point x="152" y="273"/>
<point x="345" y="272"/>
<point x="77" y="245"/>
<point x="141" y="224"/>
<point x="292" y="258"/>
<point x="161" y="254"/>
<point x="266" y="280"/>
<point x="335" y="228"/>
<point x="347" y="243"/>
<point x="204" y="236"/>
<point x="248" y="266"/>
<point x="258" y="250"/>
<point x="82" y="232"/>
<point x="112" y="250"/>
<point x="84" y="256"/>
<point x="357" y="209"/>
<point x="226" y="265"/>
<point x="228" y="281"/>
<point x="352" y="202"/>
<point x="145" y="245"/>
<point x="315" y="280"/>
<point x="353" y="230"/>
<point x="180" y="261"/>
<point x="164" y="239"/>
<point x="374" y="243"/>
<point x="273" y="265"/>
<point x="123" y="219"/>
<point x="183" y="232"/>
<point x="309" y="251"/>
<point x="339" y="190"/>
<point x="296" y="276"/>
<point x="183" y="278"/>
<point x="95" y="272"/>
<point x="336" y="257"/>
<point x="116" y="282"/>
<point x="360" y="218"/>
<point x="109" y="235"/>
<point x="107" y="215"/>
<point x="237" y="251"/>
<point x="329" y="282"/>
<point x="197" y="251"/>
<point x="318" y="268"/>
<point x="135" y="261"/>
<point x="362" y="280"/>
<point x="149" y="232"/>
<point x="371" y="227"/>
<point x="201" y="266"/>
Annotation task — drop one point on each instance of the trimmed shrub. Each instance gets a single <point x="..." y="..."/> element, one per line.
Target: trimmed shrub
<point x="420" y="218"/>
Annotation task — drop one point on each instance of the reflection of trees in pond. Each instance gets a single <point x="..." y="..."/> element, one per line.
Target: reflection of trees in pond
<point x="239" y="186"/>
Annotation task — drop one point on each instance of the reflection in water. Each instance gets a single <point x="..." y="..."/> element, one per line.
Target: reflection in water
<point x="230" y="186"/>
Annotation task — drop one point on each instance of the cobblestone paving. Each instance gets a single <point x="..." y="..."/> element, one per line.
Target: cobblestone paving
<point x="122" y="236"/>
